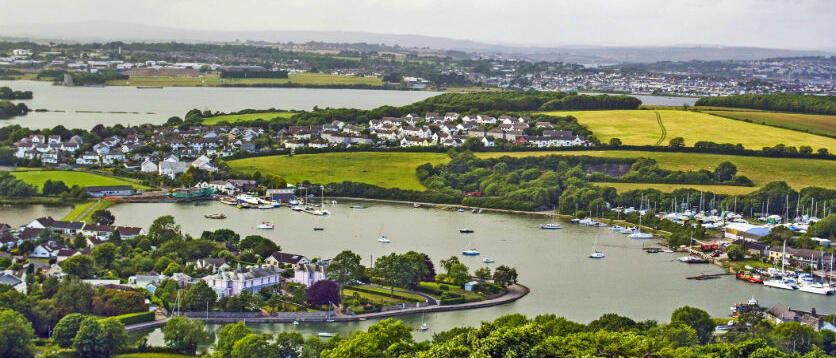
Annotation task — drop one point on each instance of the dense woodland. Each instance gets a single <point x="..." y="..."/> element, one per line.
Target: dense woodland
<point x="775" y="102"/>
<point x="9" y="109"/>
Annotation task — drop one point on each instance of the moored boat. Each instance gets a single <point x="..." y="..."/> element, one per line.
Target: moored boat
<point x="470" y="252"/>
<point x="466" y="230"/>
<point x="550" y="226"/>
<point x="215" y="216"/>
<point x="488" y="260"/>
<point x="383" y="239"/>
<point x="265" y="226"/>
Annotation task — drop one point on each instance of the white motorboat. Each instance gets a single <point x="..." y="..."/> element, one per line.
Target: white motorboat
<point x="249" y="199"/>
<point x="596" y="255"/>
<point x="325" y="334"/>
<point x="471" y="252"/>
<point x="488" y="260"/>
<point x="358" y="207"/>
<point x="780" y="283"/>
<point x="627" y="230"/>
<point x="293" y="202"/>
<point x="816" y="287"/>
<point x="383" y="239"/>
<point x="575" y="221"/>
<point x="616" y="228"/>
<point x="641" y="236"/>
<point x="550" y="226"/>
<point x="265" y="226"/>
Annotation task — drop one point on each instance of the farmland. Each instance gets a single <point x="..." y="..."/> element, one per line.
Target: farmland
<point x="234" y="118"/>
<point x="641" y="127"/>
<point x="71" y="178"/>
<point x="212" y="80"/>
<point x="388" y="170"/>
<point x="814" y="123"/>
<point x="397" y="170"/>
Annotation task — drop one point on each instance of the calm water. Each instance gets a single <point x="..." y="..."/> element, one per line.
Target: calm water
<point x="553" y="264"/>
<point x="157" y="105"/>
<point x="663" y="100"/>
<point x="16" y="215"/>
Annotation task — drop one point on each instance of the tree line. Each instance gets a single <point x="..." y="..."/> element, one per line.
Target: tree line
<point x="8" y="93"/>
<point x="775" y="102"/>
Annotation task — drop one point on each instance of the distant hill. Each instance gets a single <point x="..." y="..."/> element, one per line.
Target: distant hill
<point x="110" y="31"/>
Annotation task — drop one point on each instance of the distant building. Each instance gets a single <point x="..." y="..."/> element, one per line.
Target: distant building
<point x="111" y="190"/>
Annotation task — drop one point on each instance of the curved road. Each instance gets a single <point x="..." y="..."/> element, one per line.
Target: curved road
<point x="514" y="293"/>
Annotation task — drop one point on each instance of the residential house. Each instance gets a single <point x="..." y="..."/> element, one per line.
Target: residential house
<point x="279" y="259"/>
<point x="231" y="283"/>
<point x="308" y="274"/>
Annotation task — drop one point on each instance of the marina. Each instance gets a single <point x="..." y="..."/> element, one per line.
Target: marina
<point x="554" y="265"/>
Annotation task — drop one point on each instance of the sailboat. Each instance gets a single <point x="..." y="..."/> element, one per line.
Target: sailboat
<point x="265" y="226"/>
<point x="424" y="326"/>
<point x="781" y="282"/>
<point x="383" y="239"/>
<point x="595" y="253"/>
<point x="810" y="286"/>
<point x="639" y="234"/>
<point x="552" y="225"/>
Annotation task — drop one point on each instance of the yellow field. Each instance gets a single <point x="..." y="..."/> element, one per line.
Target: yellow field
<point x="814" y="123"/>
<point x="798" y="173"/>
<point x="212" y="80"/>
<point x="640" y="127"/>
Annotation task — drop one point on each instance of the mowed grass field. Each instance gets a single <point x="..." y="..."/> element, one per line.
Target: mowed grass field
<point x="640" y="127"/>
<point x="388" y="170"/>
<point x="70" y="178"/>
<point x="234" y="118"/>
<point x="397" y="170"/>
<point x="212" y="80"/>
<point x="814" y="123"/>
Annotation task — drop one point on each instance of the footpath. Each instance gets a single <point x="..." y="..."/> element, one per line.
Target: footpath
<point x="513" y="293"/>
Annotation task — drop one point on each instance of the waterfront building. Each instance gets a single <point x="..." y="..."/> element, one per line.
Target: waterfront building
<point x="231" y="283"/>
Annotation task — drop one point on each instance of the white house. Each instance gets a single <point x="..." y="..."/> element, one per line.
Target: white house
<point x="231" y="283"/>
<point x="308" y="274"/>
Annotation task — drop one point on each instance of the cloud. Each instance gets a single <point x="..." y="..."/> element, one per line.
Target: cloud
<point x="763" y="23"/>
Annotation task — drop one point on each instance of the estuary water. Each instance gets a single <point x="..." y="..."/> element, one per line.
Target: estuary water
<point x="84" y="107"/>
<point x="552" y="263"/>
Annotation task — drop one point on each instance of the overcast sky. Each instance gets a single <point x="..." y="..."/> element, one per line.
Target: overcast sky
<point x="796" y="24"/>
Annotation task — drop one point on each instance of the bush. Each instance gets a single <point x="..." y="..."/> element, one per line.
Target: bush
<point x="134" y="318"/>
<point x="452" y="301"/>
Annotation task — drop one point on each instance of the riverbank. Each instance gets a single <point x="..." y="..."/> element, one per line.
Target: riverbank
<point x="513" y="293"/>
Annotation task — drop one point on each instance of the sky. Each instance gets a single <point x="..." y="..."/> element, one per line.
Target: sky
<point x="788" y="24"/>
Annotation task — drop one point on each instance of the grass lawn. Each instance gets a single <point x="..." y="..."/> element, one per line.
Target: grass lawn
<point x="78" y="210"/>
<point x="668" y="188"/>
<point x="382" y="298"/>
<point x="814" y="123"/>
<point x="388" y="170"/>
<point x="70" y="178"/>
<point x="640" y="127"/>
<point x="212" y="80"/>
<point x="798" y="173"/>
<point x="102" y="205"/>
<point x="233" y="118"/>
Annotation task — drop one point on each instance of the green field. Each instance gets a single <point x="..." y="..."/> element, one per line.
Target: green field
<point x="640" y="127"/>
<point x="234" y="118"/>
<point x="153" y="355"/>
<point x="212" y="80"/>
<point x="814" y="123"/>
<point x="388" y="170"/>
<point x="71" y="178"/>
<point x="397" y="170"/>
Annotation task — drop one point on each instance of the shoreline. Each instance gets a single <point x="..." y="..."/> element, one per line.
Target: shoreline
<point x="514" y="293"/>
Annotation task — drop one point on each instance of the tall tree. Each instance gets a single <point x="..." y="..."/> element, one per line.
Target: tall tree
<point x="345" y="269"/>
<point x="16" y="335"/>
<point x="228" y="335"/>
<point x="184" y="335"/>
<point x="697" y="319"/>
<point x="198" y="296"/>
